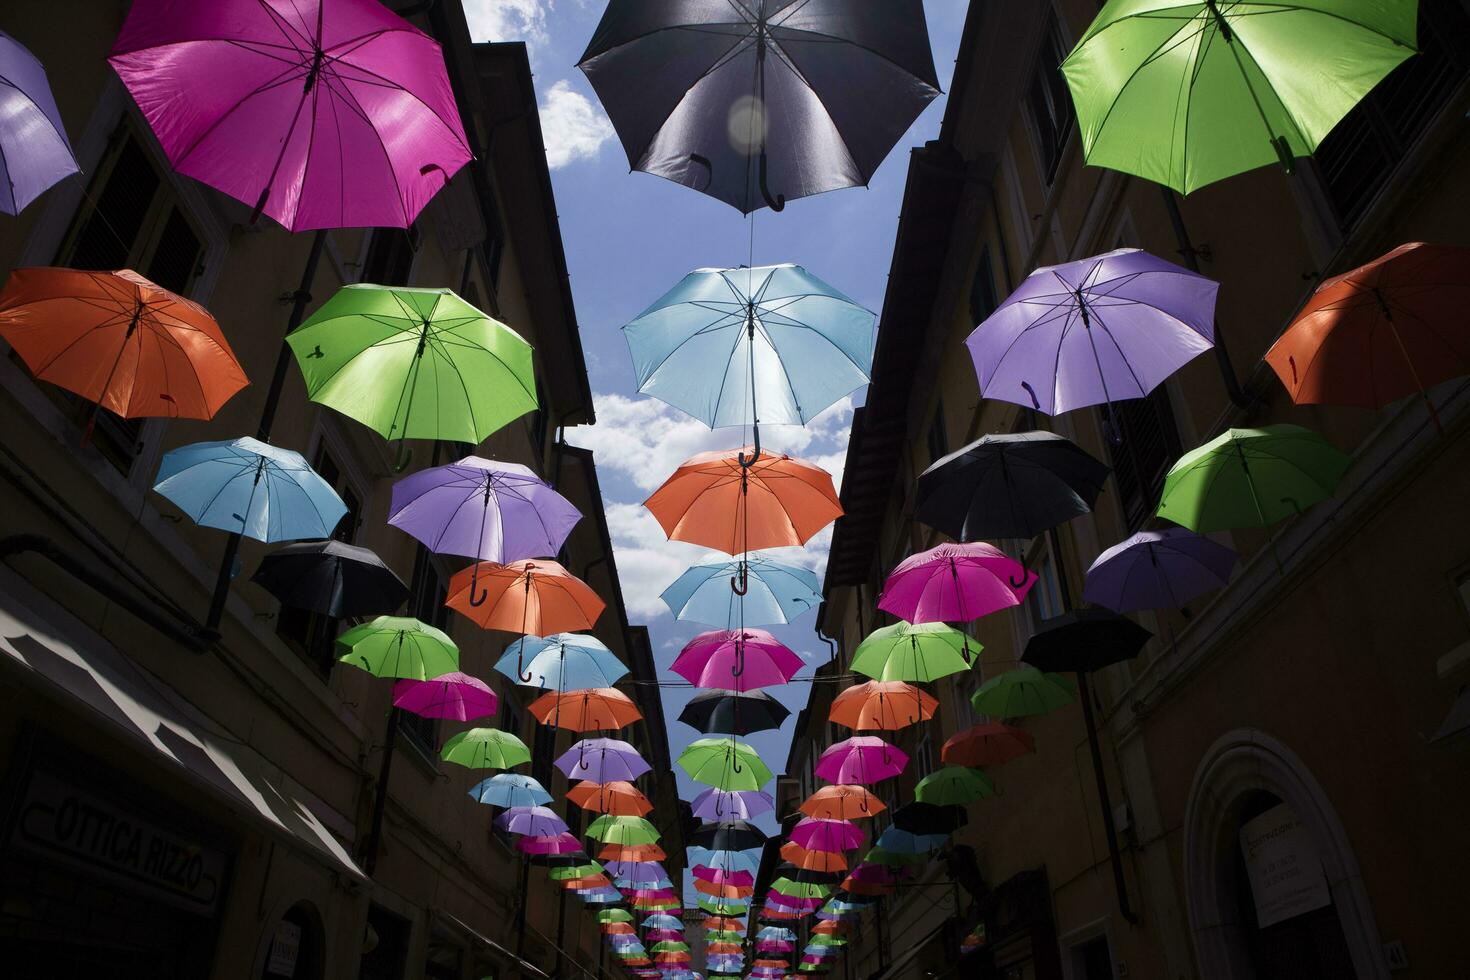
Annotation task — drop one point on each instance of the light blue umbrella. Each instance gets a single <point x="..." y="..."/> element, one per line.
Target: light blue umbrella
<point x="775" y="593"/>
<point x="561" y="662"/>
<point x="662" y="920"/>
<point x="508" y="789"/>
<point x="661" y="882"/>
<point x="899" y="841"/>
<point x="777" y="933"/>
<point x="725" y="860"/>
<point x="250" y="487"/>
<point x="770" y="344"/>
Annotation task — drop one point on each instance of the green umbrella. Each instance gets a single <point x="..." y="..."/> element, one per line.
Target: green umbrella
<point x="954" y="785"/>
<point x="1185" y="93"/>
<point x="586" y="871"/>
<point x="892" y="859"/>
<point x="614" y="915"/>
<point x="716" y="906"/>
<point x="415" y="363"/>
<point x="723" y="936"/>
<point x="1023" y="691"/>
<point x="486" y="748"/>
<point x="724" y="764"/>
<point x="399" y="646"/>
<point x="624" y="831"/>
<point x="800" y="889"/>
<point x="824" y="939"/>
<point x="1251" y="478"/>
<point x="914" y="652"/>
<point x="669" y="946"/>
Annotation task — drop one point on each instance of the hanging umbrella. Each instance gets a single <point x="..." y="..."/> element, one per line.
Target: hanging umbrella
<point x="991" y="744"/>
<point x="914" y="652"/>
<point x="117" y="339"/>
<point x="861" y="759"/>
<point x="776" y="593"/>
<point x="800" y="889"/>
<point x="952" y="784"/>
<point x="714" y="500"/>
<point x="740" y="659"/>
<point x="733" y="712"/>
<point x="760" y="103"/>
<point x="636" y="872"/>
<point x="614" y="915"/>
<point x="602" y="760"/>
<point x="322" y="114"/>
<point x="331" y="578"/>
<point x="928" y="818"/>
<point x="884" y="705"/>
<point x="727" y="835"/>
<point x="529" y="597"/>
<point x="1251" y="478"/>
<point x="723" y="891"/>
<point x="558" y="844"/>
<point x="1385" y="330"/>
<point x="561" y="662"/>
<point x="1008" y="486"/>
<point x="622" y="830"/>
<point x="842" y="803"/>
<point x="1185" y="94"/>
<point x="902" y="842"/>
<point x="34" y="150"/>
<point x="724" y="763"/>
<point x="399" y="646"/>
<point x="724" y="860"/>
<point x="661" y="921"/>
<point x="455" y="696"/>
<point x="776" y="932"/>
<point x="721" y="877"/>
<point x="1023" y="691"/>
<point x="827" y="835"/>
<point x="1092" y="332"/>
<point x="719" y="804"/>
<point x="1158" y="570"/>
<point x="955" y="583"/>
<point x="639" y="852"/>
<point x="1084" y="640"/>
<point x="247" y="486"/>
<point x="536" y="821"/>
<point x="508" y="789"/>
<point x="813" y="860"/>
<point x="487" y="748"/>
<point x="619" y="797"/>
<point x="586" y="711"/>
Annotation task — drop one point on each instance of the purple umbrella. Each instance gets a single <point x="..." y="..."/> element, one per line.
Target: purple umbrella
<point x="602" y="760"/>
<point x="482" y="509"/>
<point x="536" y="821"/>
<point x="34" y="152"/>
<point x="827" y="835"/>
<point x="636" y="872"/>
<point x="456" y="696"/>
<point x="955" y="583"/>
<point x="1094" y="331"/>
<point x="861" y="759"/>
<point x="320" y="113"/>
<point x="1158" y="570"/>
<point x="739" y="804"/>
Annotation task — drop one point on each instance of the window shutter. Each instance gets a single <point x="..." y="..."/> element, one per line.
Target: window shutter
<point x="106" y="234"/>
<point x="1150" y="444"/>
<point x="177" y="256"/>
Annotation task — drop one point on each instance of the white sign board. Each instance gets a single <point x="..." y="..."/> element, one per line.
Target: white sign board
<point x="285" y="949"/>
<point x="1285" y="875"/>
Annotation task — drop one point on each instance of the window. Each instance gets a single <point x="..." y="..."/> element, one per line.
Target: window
<point x="983" y="300"/>
<point x="938" y="436"/>
<point x="1147" y="445"/>
<point x="389" y="257"/>
<point x="1357" y="158"/>
<point x="1045" y="598"/>
<point x="1049" y="103"/>
<point x="923" y="756"/>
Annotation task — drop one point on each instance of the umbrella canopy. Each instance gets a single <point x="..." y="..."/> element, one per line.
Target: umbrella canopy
<point x="721" y="877"/>
<point x="1023" y="691"/>
<point x="1185" y="94"/>
<point x="773" y="344"/>
<point x="991" y="744"/>
<point x="634" y="852"/>
<point x="1387" y="329"/>
<point x="34" y="150"/>
<point x="1083" y="640"/>
<point x="842" y="803"/>
<point x="884" y="705"/>
<point x="602" y="760"/>
<point x="955" y="583"/>
<point x="827" y="835"/>
<point x="714" y="501"/>
<point x="559" y="844"/>
<point x="399" y="646"/>
<point x="952" y="785"/>
<point x="914" y="652"/>
<point x="561" y="662"/>
<point x="775" y="593"/>
<point x="727" y="835"/>
<point x="743" y="659"/>
<point x="415" y="363"/>
<point x="719" y="804"/>
<point x="455" y="696"/>
<point x="724" y="860"/>
<point x="487" y="748"/>
<point x="1251" y="478"/>
<point x="723" y="891"/>
<point x="586" y="711"/>
<point x="903" y="842"/>
<point x="733" y="712"/>
<point x="619" y="797"/>
<point x="615" y="915"/>
<point x="814" y="860"/>
<point x="927" y="819"/>
<point x="724" y="763"/>
<point x="1008" y="486"/>
<point x="622" y="830"/>
<point x="252" y="488"/>
<point x="1158" y="570"/>
<point x="115" y="338"/>
<point x="861" y="759"/>
<point x="537" y="821"/>
<point x="331" y="578"/>
<point x="758" y="104"/>
<point x="637" y="872"/>
<point x="661" y="921"/>
<point x="537" y="597"/>
<point x="321" y="114"/>
<point x="508" y="789"/>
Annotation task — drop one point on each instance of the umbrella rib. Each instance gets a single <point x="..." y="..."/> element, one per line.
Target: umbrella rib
<point x="725" y="58"/>
<point x="284" y="78"/>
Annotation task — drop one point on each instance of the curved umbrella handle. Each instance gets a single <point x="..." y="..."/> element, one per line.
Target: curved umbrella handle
<point x="863" y="803"/>
<point x="405" y="456"/>
<point x="739" y="667"/>
<point x="740" y="584"/>
<point x="582" y="755"/>
<point x="477" y="599"/>
<point x="776" y="202"/>
<point x="964" y="652"/>
<point x="521" y="672"/>
<point x="1025" y="574"/>
<point x="745" y="463"/>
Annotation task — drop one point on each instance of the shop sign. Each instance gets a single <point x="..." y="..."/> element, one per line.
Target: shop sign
<point x="1285" y="875"/>
<point x="65" y="822"/>
<point x="285" y="949"/>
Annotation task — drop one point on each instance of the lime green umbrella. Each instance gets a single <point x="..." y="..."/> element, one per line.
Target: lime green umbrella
<point x="669" y="946"/>
<point x="486" y="748"/>
<point x="1185" y="93"/>
<point x="614" y="915"/>
<point x="585" y="871"/>
<point x="723" y="936"/>
<point x="800" y="889"/>
<point x="827" y="939"/>
<point x="724" y="764"/>
<point x="954" y="785"/>
<point x="415" y="363"/>
<point x="1023" y="691"/>
<point x="717" y="906"/>
<point x="893" y="859"/>
<point x="399" y="646"/>
<point x="625" y="831"/>
<point x="1251" y="478"/>
<point x="914" y="652"/>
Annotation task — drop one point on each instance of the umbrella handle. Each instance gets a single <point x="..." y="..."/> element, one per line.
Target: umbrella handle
<point x="863" y="803"/>
<point x="1025" y="574"/>
<point x="483" y="594"/>
<point x="746" y="464"/>
<point x="740" y="584"/>
<point x="521" y="672"/>
<point x="776" y="202"/>
<point x="405" y="456"/>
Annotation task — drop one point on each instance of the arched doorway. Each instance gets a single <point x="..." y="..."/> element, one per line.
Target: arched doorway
<point x="295" y="945"/>
<point x="1254" y="809"/>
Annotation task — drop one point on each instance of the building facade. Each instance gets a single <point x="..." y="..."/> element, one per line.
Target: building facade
<point x="1319" y="699"/>
<point x="177" y="803"/>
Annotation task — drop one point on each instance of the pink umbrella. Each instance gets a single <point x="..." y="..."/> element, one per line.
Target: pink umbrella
<point x="955" y="583"/>
<point x="827" y="835"/>
<point x="320" y="113"/>
<point x="720" y="876"/>
<point x="657" y="935"/>
<point x="560" y="844"/>
<point x="456" y="696"/>
<point x="740" y="660"/>
<point x="873" y="874"/>
<point x="861" y="759"/>
<point x="774" y="946"/>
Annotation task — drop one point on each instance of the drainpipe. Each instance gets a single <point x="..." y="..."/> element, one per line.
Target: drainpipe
<point x="380" y="799"/>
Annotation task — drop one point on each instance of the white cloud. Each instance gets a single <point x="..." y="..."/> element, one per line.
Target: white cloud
<point x="572" y="126"/>
<point x="647" y="561"/>
<point x="508" y="20"/>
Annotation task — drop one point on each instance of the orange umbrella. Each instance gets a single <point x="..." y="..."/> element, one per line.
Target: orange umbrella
<point x="986" y="745"/>
<point x="717" y="923"/>
<point x="842" y="802"/>
<point x="621" y="799"/>
<point x="117" y="339"/>
<point x="631" y="852"/>
<point x="1391" y="328"/>
<point x="677" y="957"/>
<point x="591" y="881"/>
<point x="536" y="597"/>
<point x="585" y="711"/>
<point x="771" y="913"/>
<point x="887" y="705"/>
<point x="778" y="964"/>
<point x="813" y="860"/>
<point x="619" y="929"/>
<point x="715" y="949"/>
<point x="711" y="500"/>
<point x="723" y="891"/>
<point x="830" y="927"/>
<point x="866" y="887"/>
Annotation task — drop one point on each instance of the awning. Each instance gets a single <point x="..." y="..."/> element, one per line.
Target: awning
<point x="490" y="944"/>
<point x="51" y="649"/>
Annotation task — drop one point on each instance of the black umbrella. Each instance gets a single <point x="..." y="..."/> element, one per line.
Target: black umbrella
<point x="929" y="818"/>
<point x="757" y="102"/>
<point x="1008" y="486"/>
<point x="571" y="859"/>
<point x="1084" y="640"/>
<point x="331" y="578"/>
<point x="727" y="835"/>
<point x="733" y="713"/>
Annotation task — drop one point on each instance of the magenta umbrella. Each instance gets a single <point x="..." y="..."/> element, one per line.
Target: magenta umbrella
<point x="955" y="583"/>
<point x="814" y="834"/>
<point x="861" y="759"/>
<point x="873" y="874"/>
<point x="562" y="843"/>
<point x="456" y="696"/>
<point x="741" y="660"/>
<point x="320" y="113"/>
<point x="659" y="935"/>
<point x="720" y="876"/>
<point x="774" y="946"/>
